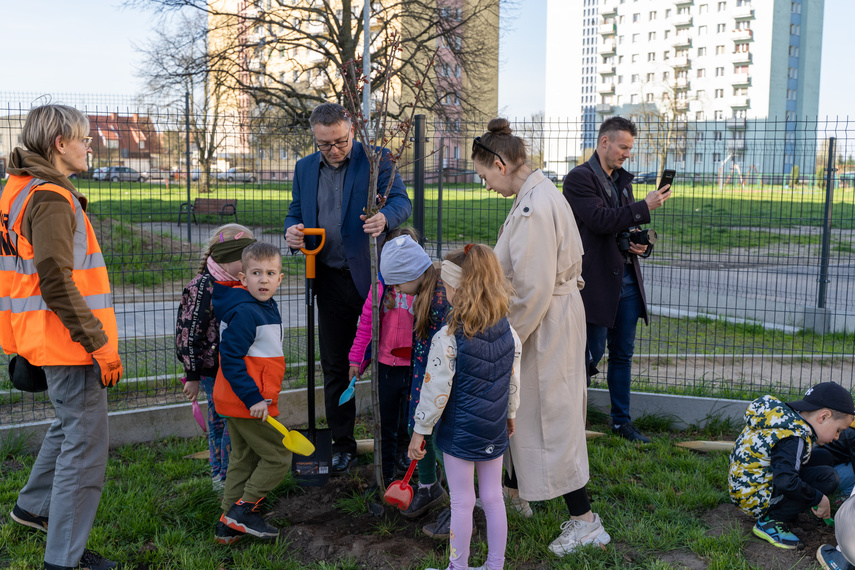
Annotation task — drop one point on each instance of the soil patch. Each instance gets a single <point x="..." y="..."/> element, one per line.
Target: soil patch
<point x="812" y="531"/>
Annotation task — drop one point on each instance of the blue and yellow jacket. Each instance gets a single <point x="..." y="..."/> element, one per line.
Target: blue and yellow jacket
<point x="768" y="422"/>
<point x="252" y="363"/>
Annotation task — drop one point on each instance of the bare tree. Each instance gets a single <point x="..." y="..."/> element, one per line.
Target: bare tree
<point x="177" y="61"/>
<point x="288" y="53"/>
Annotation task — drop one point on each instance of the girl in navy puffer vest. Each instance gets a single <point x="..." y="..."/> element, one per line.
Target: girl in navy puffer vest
<point x="479" y="352"/>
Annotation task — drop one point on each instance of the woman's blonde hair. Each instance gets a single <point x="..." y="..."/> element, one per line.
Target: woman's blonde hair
<point x="421" y="306"/>
<point x="228" y="231"/>
<point x="483" y="297"/>
<point x="47" y="122"/>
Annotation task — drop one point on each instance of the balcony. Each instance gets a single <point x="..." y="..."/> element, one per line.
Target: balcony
<point x="681" y="20"/>
<point x="735" y="145"/>
<point x="681" y="105"/>
<point x="681" y="83"/>
<point x="606" y="88"/>
<point x="742" y="35"/>
<point x="608" y="29"/>
<point x="743" y="13"/>
<point x="683" y="2"/>
<point x="608" y="7"/>
<point x="740" y="80"/>
<point x="608" y="47"/>
<point x="606" y="68"/>
<point x="681" y="41"/>
<point x="680" y="61"/>
<point x="735" y="124"/>
<point x="604" y="108"/>
<point x="739" y="101"/>
<point x="740" y="57"/>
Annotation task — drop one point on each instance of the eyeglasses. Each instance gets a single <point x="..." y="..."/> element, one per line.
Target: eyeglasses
<point x="477" y="142"/>
<point x="339" y="144"/>
<point x="87" y="142"/>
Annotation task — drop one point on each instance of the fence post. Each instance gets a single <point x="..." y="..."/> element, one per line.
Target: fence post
<point x="187" y="155"/>
<point x="826" y="226"/>
<point x="439" y="200"/>
<point x="419" y="178"/>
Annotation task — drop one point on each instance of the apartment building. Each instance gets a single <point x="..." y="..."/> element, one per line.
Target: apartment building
<point x="713" y="67"/>
<point x="282" y="43"/>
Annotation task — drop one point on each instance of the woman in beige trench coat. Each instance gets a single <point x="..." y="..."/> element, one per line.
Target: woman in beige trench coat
<point x="541" y="253"/>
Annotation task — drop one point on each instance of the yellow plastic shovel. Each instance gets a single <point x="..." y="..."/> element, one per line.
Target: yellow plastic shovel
<point x="293" y="440"/>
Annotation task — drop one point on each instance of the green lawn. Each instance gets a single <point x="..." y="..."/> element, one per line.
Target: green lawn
<point x="158" y="511"/>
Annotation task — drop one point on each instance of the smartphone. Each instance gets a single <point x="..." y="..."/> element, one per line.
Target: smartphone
<point x="667" y="178"/>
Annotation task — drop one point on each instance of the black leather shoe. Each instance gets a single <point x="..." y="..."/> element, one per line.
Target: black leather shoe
<point x="628" y="431"/>
<point x="343" y="462"/>
<point x="401" y="465"/>
<point x="425" y="499"/>
<point x="90" y="560"/>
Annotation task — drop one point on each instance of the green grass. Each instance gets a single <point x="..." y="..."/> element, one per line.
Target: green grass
<point x="158" y="509"/>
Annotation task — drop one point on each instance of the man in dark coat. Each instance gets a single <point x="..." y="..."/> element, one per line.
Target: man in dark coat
<point x="600" y="193"/>
<point x="330" y="191"/>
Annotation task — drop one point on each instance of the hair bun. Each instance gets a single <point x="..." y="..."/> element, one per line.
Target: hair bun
<point x="499" y="126"/>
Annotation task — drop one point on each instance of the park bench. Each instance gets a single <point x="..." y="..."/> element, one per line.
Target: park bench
<point x="219" y="206"/>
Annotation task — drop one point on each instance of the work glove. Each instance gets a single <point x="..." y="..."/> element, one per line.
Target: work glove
<point x="108" y="365"/>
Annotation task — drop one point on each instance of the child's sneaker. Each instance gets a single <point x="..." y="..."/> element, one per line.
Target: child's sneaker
<point x="575" y="533"/>
<point x="29" y="519"/>
<point x="246" y="517"/>
<point x="832" y="559"/>
<point x="225" y="535"/>
<point x="777" y="533"/>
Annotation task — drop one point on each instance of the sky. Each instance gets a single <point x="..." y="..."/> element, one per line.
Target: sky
<point x="86" y="46"/>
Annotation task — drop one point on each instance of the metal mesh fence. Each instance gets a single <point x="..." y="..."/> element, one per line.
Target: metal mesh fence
<point x="750" y="285"/>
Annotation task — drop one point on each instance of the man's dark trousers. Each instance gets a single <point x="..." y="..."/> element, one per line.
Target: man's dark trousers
<point x="339" y="308"/>
<point x="621" y="342"/>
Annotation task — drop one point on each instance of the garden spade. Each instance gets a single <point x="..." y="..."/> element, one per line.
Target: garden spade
<point x="313" y="470"/>
<point x="294" y="441"/>
<point x="400" y="494"/>
<point x="348" y="392"/>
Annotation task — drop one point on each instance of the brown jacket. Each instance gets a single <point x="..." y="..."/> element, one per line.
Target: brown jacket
<point x="49" y="225"/>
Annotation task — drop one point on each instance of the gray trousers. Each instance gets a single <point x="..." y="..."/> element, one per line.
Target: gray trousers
<point x="68" y="475"/>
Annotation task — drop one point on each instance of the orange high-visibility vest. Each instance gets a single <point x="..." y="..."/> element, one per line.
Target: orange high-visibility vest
<point x="27" y="325"/>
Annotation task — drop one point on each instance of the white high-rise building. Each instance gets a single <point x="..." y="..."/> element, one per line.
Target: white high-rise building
<point x="691" y="62"/>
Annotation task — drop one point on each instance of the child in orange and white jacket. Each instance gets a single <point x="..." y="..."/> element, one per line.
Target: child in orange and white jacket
<point x="246" y="391"/>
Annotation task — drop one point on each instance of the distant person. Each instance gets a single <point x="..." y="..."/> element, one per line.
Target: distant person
<point x="776" y="469"/>
<point x="600" y="193"/>
<point x="395" y="366"/>
<point x="197" y="334"/>
<point x="470" y="402"/>
<point x="247" y="388"/>
<point x="330" y="190"/>
<point x="56" y="312"/>
<point x="541" y="255"/>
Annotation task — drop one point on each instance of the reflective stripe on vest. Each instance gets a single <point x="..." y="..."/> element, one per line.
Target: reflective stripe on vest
<point x="27" y="325"/>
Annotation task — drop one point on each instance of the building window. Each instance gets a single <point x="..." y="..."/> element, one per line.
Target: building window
<point x="666" y="75"/>
<point x="796" y="7"/>
<point x="633" y="99"/>
<point x="719" y="50"/>
<point x="719" y="93"/>
<point x="795" y="29"/>
<point x="719" y="115"/>
<point x="722" y="6"/>
<point x="703" y="9"/>
<point x="720" y="28"/>
<point x="702" y="30"/>
<point x="651" y="36"/>
<point x="636" y="16"/>
<point x="794" y="51"/>
<point x="666" y="55"/>
<point x="719" y="72"/>
<point x="651" y="56"/>
<point x="701" y="93"/>
<point x="649" y="98"/>
<point x="716" y="155"/>
<point x="635" y="38"/>
<point x="699" y="137"/>
<point x="702" y="51"/>
<point x="620" y="40"/>
<point x="717" y="135"/>
<point x="699" y="158"/>
<point x="634" y="78"/>
<point x="792" y="73"/>
<point x="667" y="34"/>
<point x="702" y="72"/>
<point x="634" y="58"/>
<point x="652" y="15"/>
<point x="651" y="77"/>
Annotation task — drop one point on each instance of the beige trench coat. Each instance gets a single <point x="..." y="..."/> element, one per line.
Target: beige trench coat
<point x="541" y="254"/>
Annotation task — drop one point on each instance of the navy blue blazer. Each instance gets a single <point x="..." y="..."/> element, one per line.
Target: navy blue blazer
<point x="304" y="207"/>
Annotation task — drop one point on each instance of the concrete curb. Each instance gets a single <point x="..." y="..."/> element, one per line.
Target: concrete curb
<point x="150" y="424"/>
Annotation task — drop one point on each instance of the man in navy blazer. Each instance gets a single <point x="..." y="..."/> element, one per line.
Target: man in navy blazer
<point x="330" y="190"/>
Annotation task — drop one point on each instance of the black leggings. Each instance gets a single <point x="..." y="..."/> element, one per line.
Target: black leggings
<point x="577" y="501"/>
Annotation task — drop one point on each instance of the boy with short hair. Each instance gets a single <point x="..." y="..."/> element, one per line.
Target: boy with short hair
<point x="246" y="390"/>
<point x="772" y="475"/>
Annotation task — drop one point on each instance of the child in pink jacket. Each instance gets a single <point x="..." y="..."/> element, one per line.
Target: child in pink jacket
<point x="395" y="369"/>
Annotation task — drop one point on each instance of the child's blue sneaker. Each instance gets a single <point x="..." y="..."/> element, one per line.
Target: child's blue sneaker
<point x="777" y="533"/>
<point x="832" y="559"/>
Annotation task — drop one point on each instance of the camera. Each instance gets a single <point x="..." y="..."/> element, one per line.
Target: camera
<point x="635" y="236"/>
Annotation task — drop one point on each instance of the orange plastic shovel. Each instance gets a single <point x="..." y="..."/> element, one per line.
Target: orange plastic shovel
<point x="294" y="441"/>
<point x="400" y="494"/>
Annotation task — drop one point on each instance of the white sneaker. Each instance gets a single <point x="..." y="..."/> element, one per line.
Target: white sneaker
<point x="512" y="502"/>
<point x="575" y="533"/>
